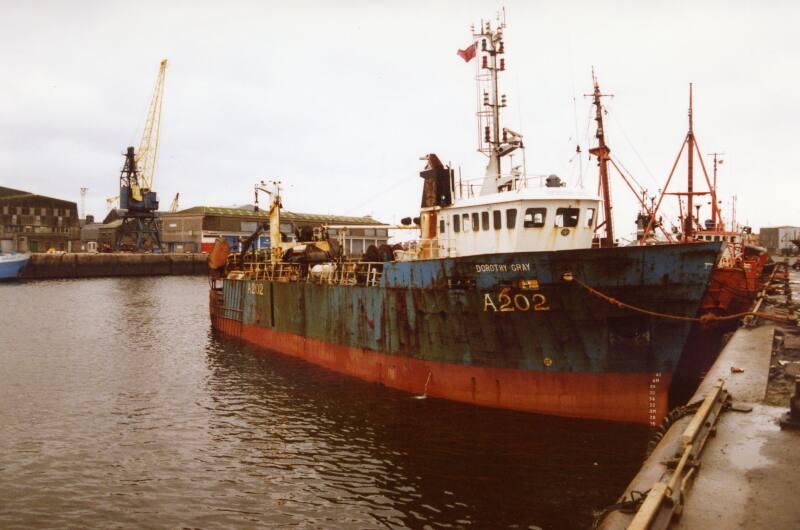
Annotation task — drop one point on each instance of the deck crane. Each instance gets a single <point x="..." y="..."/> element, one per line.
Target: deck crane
<point x="139" y="203"/>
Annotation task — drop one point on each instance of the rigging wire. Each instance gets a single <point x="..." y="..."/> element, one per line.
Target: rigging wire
<point x="631" y="145"/>
<point x="575" y="110"/>
<point x="384" y="191"/>
<point x="668" y="210"/>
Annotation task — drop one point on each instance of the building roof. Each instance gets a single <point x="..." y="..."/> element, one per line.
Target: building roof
<point x="285" y="215"/>
<point x="8" y="194"/>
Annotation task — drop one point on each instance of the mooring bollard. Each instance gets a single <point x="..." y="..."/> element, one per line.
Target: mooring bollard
<point x="791" y="420"/>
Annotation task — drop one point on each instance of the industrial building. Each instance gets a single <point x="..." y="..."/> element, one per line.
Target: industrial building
<point x="100" y="237"/>
<point x="778" y="239"/>
<point x="196" y="229"/>
<point x="35" y="223"/>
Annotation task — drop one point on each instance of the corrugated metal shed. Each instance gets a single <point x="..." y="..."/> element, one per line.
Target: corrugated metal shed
<point x="285" y="216"/>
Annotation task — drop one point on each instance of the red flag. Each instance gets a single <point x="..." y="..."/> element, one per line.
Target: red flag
<point x="468" y="53"/>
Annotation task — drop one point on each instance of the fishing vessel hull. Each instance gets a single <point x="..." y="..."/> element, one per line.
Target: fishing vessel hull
<point x="10" y="265"/>
<point x="515" y="331"/>
<point x="733" y="290"/>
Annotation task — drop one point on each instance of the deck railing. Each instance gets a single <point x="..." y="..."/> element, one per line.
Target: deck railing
<point x="336" y="273"/>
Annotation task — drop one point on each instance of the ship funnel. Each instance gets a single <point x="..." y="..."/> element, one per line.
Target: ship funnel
<point x="438" y="183"/>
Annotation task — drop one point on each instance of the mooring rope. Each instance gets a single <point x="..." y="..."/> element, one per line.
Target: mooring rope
<point x="705" y="319"/>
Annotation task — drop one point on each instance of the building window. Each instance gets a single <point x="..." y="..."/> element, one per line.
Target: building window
<point x="441" y="226"/>
<point x="456" y="223"/>
<point x="369" y="231"/>
<point x="484" y="220"/>
<point x="511" y="218"/>
<point x="44" y="211"/>
<point x="66" y="212"/>
<point x="5" y="210"/>
<point x="534" y="217"/>
<point x="358" y="247"/>
<point x="589" y="223"/>
<point x="567" y="217"/>
<point x="497" y="219"/>
<point x="55" y="211"/>
<point x="248" y="226"/>
<point x="465" y="218"/>
<point x="475" y="224"/>
<point x="19" y="210"/>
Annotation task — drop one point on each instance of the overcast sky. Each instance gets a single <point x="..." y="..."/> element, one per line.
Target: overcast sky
<point x="338" y="100"/>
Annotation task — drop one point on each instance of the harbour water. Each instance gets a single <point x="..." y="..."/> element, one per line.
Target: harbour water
<point x="119" y="407"/>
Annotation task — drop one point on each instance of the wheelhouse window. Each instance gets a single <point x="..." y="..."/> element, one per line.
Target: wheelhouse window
<point x="456" y="223"/>
<point x="484" y="220"/>
<point x="534" y="217"/>
<point x="497" y="219"/>
<point x="465" y="218"/>
<point x="441" y="226"/>
<point x="567" y="217"/>
<point x="589" y="222"/>
<point x="475" y="222"/>
<point x="511" y="218"/>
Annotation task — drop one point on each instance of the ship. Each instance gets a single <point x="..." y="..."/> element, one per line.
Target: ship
<point x="12" y="264"/>
<point x="736" y="279"/>
<point x="508" y="300"/>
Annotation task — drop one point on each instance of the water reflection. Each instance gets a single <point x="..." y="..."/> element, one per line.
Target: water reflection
<point x="377" y="456"/>
<point x="119" y="407"/>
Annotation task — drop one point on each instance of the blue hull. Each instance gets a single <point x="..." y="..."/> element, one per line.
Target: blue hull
<point x="10" y="265"/>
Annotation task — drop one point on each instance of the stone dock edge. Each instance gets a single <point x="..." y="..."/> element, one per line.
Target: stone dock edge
<point x="58" y="266"/>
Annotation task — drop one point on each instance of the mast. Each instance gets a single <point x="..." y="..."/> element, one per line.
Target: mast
<point x="688" y="229"/>
<point x="688" y="222"/>
<point x="493" y="140"/>
<point x="716" y="218"/>
<point x="602" y="153"/>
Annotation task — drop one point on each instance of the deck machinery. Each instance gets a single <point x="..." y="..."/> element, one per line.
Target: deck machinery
<point x="140" y="229"/>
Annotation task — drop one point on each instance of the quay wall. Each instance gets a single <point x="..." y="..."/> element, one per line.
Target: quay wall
<point x="52" y="266"/>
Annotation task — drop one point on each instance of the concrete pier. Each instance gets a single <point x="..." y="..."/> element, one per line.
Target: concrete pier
<point x="53" y="266"/>
<point x="748" y="471"/>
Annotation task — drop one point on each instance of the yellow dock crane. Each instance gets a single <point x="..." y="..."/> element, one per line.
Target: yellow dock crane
<point x="140" y="225"/>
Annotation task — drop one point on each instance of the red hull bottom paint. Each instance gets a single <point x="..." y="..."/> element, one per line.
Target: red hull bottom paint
<point x="624" y="397"/>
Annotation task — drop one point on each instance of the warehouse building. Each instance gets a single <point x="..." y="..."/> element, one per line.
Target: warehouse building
<point x="778" y="239"/>
<point x="196" y="229"/>
<point x="34" y="223"/>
